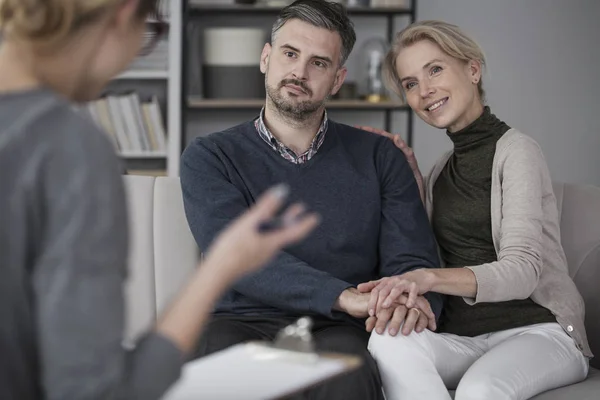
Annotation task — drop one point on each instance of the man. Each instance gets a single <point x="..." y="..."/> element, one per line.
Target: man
<point x="373" y="222"/>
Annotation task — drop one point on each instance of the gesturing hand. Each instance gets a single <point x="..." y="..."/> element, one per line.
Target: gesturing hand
<point x="385" y="291"/>
<point x="241" y="248"/>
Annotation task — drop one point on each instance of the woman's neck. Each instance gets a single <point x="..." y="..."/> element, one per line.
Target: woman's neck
<point x="470" y="115"/>
<point x="16" y="69"/>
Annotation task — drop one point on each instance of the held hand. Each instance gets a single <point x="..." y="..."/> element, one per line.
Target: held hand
<point x="353" y="303"/>
<point x="386" y="291"/>
<point x="411" y="319"/>
<point x="241" y="248"/>
<point x="408" y="152"/>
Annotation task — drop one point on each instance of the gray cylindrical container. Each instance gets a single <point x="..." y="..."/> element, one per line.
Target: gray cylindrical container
<point x="231" y="64"/>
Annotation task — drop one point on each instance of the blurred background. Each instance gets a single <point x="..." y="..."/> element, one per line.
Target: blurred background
<point x="541" y="79"/>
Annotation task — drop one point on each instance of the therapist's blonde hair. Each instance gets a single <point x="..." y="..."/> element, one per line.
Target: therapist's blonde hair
<point x="54" y="21"/>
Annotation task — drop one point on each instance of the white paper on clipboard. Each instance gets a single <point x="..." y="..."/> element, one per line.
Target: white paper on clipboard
<point x="256" y="371"/>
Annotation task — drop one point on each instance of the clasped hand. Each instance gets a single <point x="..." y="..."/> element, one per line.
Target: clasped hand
<point x="385" y="291"/>
<point x="399" y="299"/>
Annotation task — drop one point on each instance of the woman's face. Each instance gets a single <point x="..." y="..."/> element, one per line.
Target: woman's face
<point x="440" y="89"/>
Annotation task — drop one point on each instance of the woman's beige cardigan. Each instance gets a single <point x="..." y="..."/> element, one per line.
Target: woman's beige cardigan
<point x="526" y="234"/>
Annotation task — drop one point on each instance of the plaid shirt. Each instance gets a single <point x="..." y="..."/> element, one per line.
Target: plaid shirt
<point x="285" y="151"/>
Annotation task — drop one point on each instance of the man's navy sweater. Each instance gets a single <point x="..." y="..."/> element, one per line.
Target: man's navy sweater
<point x="373" y="223"/>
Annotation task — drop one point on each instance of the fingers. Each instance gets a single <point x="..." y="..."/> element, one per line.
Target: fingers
<point x="397" y="319"/>
<point x="384" y="293"/>
<point x="422" y="323"/>
<point x="423" y="305"/>
<point x="268" y="204"/>
<point x="401" y="144"/>
<point x="297" y="230"/>
<point x="389" y="293"/>
<point x="383" y="317"/>
<point x="373" y="300"/>
<point x="370" y="323"/>
<point x="412" y="295"/>
<point x="367" y="286"/>
<point x="410" y="321"/>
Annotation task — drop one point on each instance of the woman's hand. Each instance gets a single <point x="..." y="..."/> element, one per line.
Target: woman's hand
<point x="241" y="248"/>
<point x="408" y="152"/>
<point x="386" y="291"/>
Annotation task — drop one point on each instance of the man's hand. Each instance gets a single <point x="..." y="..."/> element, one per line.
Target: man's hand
<point x="417" y="318"/>
<point x="352" y="302"/>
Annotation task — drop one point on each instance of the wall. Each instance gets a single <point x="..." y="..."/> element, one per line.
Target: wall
<point x="543" y="76"/>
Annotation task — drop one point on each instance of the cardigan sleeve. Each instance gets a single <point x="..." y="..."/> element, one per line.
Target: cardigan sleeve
<point x="523" y="174"/>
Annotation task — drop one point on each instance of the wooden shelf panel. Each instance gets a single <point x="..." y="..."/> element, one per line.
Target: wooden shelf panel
<point x="252" y="104"/>
<point x="266" y="10"/>
<point x="144" y="74"/>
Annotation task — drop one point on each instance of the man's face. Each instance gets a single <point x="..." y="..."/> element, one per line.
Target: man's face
<point x="302" y="68"/>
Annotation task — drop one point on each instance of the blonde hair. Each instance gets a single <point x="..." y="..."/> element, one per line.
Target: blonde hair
<point x="52" y="21"/>
<point x="449" y="38"/>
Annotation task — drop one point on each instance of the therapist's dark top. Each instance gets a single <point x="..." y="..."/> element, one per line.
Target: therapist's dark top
<point x="63" y="249"/>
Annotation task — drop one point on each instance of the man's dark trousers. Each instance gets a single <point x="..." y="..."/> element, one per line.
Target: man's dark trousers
<point x="329" y="336"/>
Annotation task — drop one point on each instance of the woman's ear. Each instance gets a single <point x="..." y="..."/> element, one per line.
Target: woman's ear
<point x="475" y="71"/>
<point x="126" y="13"/>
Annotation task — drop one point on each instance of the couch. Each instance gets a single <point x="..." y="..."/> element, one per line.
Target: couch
<point x="163" y="254"/>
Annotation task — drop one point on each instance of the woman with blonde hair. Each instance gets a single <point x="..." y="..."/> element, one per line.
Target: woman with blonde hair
<point x="63" y="230"/>
<point x="512" y="325"/>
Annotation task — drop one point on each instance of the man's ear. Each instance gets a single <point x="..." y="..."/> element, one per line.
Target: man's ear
<point x="340" y="76"/>
<point x="264" y="57"/>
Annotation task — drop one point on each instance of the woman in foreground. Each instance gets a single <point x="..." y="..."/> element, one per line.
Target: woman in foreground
<point x="63" y="230"/>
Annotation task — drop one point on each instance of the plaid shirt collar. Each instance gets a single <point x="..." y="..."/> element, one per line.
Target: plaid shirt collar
<point x="285" y="151"/>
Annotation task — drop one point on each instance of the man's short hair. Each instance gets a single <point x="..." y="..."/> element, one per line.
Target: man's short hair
<point x="322" y="14"/>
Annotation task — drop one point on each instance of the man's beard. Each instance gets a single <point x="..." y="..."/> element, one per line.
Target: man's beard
<point x="297" y="111"/>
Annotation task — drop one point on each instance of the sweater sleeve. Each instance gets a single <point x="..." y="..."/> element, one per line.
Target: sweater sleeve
<point x="516" y="273"/>
<point x="211" y="201"/>
<point x="406" y="240"/>
<point x="78" y="279"/>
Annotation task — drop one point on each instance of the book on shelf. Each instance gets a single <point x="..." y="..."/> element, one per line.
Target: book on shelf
<point x="134" y="126"/>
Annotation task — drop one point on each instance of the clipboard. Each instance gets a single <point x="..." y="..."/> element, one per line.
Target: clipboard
<point x="262" y="370"/>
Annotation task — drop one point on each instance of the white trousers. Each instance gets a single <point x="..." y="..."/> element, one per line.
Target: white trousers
<point x="514" y="364"/>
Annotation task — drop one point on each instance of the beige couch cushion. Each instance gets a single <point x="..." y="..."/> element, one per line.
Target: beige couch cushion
<point x="579" y="207"/>
<point x="176" y="253"/>
<point x="139" y="288"/>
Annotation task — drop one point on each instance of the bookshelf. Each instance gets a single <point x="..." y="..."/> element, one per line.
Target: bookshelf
<point x="203" y="112"/>
<point x="141" y="108"/>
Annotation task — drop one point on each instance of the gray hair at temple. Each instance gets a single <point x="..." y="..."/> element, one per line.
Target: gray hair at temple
<point x="322" y="14"/>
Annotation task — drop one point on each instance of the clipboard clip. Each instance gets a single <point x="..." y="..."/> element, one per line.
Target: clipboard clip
<point x="292" y="343"/>
<point x="296" y="337"/>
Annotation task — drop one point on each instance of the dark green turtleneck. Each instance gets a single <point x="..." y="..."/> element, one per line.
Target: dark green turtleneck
<point x="463" y="227"/>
